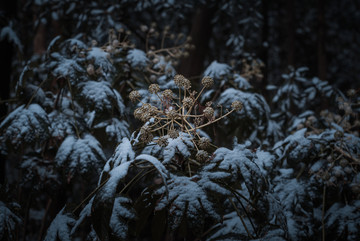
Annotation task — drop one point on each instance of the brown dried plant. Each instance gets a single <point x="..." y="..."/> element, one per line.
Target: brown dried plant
<point x="178" y="114"/>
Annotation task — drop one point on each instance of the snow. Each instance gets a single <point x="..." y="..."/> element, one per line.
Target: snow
<point x="255" y="106"/>
<point x="137" y="58"/>
<point x="60" y="227"/>
<point x="238" y="162"/>
<point x="101" y="59"/>
<point x="341" y="217"/>
<point x="208" y="181"/>
<point x="100" y="96"/>
<point x="179" y="145"/>
<point x="26" y="124"/>
<point x="217" y="70"/>
<point x="264" y="160"/>
<point x="64" y="67"/>
<point x="116" y="174"/>
<point x="123" y="153"/>
<point x="156" y="163"/>
<point x="241" y="82"/>
<point x="85" y="212"/>
<point x="80" y="154"/>
<point x="61" y="124"/>
<point x="185" y="197"/>
<point x="231" y="225"/>
<point x="8" y="221"/>
<point x="120" y="215"/>
<point x="9" y="33"/>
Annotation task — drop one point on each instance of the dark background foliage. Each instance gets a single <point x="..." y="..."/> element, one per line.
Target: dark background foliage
<point x="281" y="35"/>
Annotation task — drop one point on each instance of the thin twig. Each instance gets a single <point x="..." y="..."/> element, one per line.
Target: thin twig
<point x="241" y="219"/>
<point x="323" y="214"/>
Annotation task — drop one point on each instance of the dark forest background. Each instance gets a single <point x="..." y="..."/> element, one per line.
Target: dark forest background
<point x="278" y="36"/>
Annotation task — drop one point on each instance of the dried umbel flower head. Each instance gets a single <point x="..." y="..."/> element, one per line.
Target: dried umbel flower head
<point x="204" y="143"/>
<point x="162" y="141"/>
<point x="351" y="92"/>
<point x="146" y="135"/>
<point x="145" y="112"/>
<point x="90" y="69"/>
<point x="237" y="105"/>
<point x="207" y="82"/>
<point x="209" y="112"/>
<point x="188" y="102"/>
<point x="134" y="96"/>
<point x="173" y="134"/>
<point x="168" y="94"/>
<point x="181" y="81"/>
<point x="172" y="114"/>
<point x="187" y="84"/>
<point x="154" y="88"/>
<point x="202" y="155"/>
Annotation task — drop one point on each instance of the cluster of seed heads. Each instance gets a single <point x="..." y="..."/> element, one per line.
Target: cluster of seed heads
<point x="177" y="114"/>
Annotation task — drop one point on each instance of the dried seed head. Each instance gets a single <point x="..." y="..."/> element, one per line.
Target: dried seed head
<point x="237" y="105"/>
<point x="94" y="42"/>
<point x="138" y="113"/>
<point x="188" y="102"/>
<point x="144" y="28"/>
<point x="208" y="112"/>
<point x="134" y="96"/>
<point x="162" y="141"/>
<point x="154" y="88"/>
<point x="172" y="114"/>
<point x="179" y="79"/>
<point x="145" y="129"/>
<point x="351" y="92"/>
<point x="90" y="69"/>
<point x="198" y="121"/>
<point x="187" y="84"/>
<point x="168" y="94"/>
<point x="207" y="82"/>
<point x="146" y="137"/>
<point x="173" y="134"/>
<point x="204" y="143"/>
<point x="145" y="112"/>
<point x="115" y="43"/>
<point x="202" y="155"/>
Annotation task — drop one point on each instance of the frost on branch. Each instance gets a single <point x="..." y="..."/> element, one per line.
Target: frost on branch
<point x="25" y="125"/>
<point x="80" y="155"/>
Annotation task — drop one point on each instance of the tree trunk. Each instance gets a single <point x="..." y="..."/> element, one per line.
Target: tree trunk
<point x="201" y="30"/>
<point x="6" y="50"/>
<point x="321" y="55"/>
<point x="290" y="40"/>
